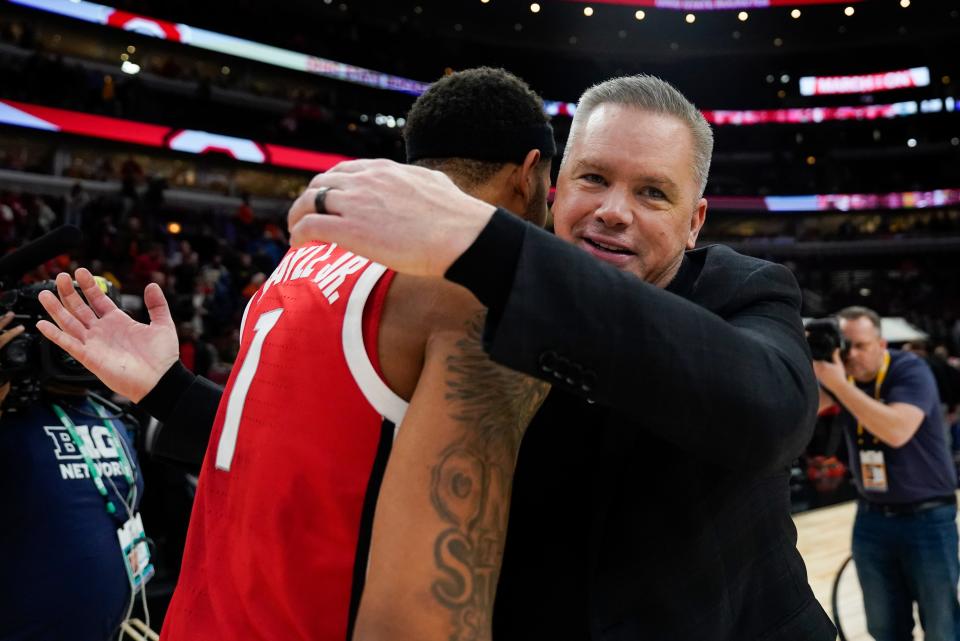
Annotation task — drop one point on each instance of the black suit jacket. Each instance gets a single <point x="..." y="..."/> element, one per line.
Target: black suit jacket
<point x="651" y="497"/>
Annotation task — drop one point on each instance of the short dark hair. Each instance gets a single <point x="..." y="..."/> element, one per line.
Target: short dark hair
<point x="474" y="100"/>
<point x="858" y="311"/>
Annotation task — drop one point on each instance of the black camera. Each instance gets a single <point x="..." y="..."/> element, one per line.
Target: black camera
<point x="30" y="361"/>
<point x="824" y="336"/>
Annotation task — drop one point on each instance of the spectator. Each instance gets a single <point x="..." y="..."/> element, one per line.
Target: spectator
<point x="74" y="206"/>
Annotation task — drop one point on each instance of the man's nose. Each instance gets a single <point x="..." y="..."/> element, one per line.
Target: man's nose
<point x="614" y="210"/>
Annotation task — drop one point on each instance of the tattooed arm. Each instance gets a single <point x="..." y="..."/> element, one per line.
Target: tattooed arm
<point x="441" y="517"/>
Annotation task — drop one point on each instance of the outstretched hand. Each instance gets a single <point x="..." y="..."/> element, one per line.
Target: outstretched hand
<point x="411" y="219"/>
<point x="127" y="356"/>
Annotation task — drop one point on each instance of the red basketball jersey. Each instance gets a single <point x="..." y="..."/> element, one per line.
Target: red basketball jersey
<point x="279" y="534"/>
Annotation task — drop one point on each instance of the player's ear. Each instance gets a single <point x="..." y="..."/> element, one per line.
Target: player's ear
<point x="527" y="176"/>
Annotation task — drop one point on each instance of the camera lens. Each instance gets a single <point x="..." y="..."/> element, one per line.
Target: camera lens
<point x="17" y="353"/>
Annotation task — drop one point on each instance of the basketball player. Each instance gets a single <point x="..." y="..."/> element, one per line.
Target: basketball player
<point x="338" y="358"/>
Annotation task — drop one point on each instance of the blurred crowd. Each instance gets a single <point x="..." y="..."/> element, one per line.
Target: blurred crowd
<point x="207" y="265"/>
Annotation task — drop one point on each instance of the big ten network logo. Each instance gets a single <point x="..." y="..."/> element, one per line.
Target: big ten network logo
<point x="99" y="444"/>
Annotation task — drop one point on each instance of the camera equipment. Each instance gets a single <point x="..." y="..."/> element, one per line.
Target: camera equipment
<point x="35" y="253"/>
<point x="824" y="336"/>
<point x="29" y="361"/>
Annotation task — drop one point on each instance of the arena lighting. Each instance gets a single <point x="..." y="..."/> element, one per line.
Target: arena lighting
<point x="690" y="18"/>
<point x="221" y="43"/>
<point x="742" y="16"/>
<point x="247" y="49"/>
<point x="183" y="140"/>
<point x="104" y="15"/>
<point x="795" y="14"/>
<point x="535" y="8"/>
<point x="715" y="5"/>
<point x="174" y="228"/>
<point x="640" y="14"/>
<point x="588" y="11"/>
<point x="866" y="83"/>
<point x="554" y="108"/>
<point x="849" y="11"/>
<point x="130" y="68"/>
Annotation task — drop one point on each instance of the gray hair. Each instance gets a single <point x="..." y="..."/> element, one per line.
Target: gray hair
<point x="858" y="311"/>
<point x="649" y="93"/>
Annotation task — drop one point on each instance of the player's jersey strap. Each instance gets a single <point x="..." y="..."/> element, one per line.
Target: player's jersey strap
<point x="374" y="389"/>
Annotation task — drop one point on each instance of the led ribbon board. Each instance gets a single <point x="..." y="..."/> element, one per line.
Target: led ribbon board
<point x="822" y="114"/>
<point x="867" y="83"/>
<point x="196" y="142"/>
<point x="189" y="141"/>
<point x="838" y="202"/>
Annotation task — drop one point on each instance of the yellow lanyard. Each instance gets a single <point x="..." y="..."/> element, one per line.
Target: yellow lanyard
<point x="881" y="375"/>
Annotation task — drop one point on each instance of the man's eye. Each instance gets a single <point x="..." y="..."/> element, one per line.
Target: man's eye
<point x="593" y="178"/>
<point x="653" y="192"/>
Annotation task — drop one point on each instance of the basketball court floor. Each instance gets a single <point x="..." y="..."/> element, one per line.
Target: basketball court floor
<point x="824" y="542"/>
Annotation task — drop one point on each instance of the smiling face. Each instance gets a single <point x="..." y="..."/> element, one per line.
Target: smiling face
<point x="628" y="193"/>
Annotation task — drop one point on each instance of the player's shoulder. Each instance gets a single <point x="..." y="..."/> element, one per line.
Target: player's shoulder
<point x="432" y="304"/>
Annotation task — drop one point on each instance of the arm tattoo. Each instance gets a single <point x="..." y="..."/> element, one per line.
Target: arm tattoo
<point x="472" y="480"/>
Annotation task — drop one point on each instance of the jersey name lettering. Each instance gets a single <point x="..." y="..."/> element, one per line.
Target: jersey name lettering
<point x="302" y="263"/>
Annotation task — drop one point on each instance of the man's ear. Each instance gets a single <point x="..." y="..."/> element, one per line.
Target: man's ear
<point x="526" y="176"/>
<point x="697" y="219"/>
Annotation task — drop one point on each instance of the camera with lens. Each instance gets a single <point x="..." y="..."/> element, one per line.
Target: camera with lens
<point x="824" y="336"/>
<point x="30" y="361"/>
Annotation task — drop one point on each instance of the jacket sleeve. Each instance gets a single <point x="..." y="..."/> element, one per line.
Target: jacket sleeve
<point x="187" y="406"/>
<point x="725" y="376"/>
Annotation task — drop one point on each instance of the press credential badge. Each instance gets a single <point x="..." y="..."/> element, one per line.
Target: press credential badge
<point x="136" y="552"/>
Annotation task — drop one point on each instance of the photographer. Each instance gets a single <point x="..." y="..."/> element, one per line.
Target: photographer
<point x="70" y="480"/>
<point x="905" y="534"/>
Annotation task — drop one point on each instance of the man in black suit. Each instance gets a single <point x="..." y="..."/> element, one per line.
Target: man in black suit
<point x="651" y="498"/>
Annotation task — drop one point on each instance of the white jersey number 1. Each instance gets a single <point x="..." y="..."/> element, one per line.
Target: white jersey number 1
<point x="241" y="385"/>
